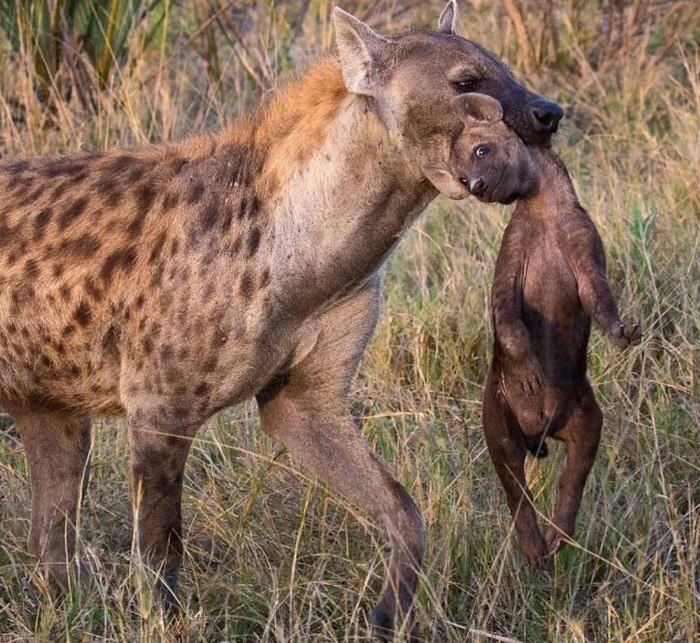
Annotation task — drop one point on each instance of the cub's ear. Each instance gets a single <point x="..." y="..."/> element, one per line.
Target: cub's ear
<point x="445" y="183"/>
<point x="361" y="51"/>
<point x="479" y="107"/>
<point x="447" y="22"/>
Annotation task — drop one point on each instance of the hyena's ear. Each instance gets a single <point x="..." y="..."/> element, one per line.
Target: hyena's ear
<point x="477" y="107"/>
<point x="361" y="52"/>
<point x="447" y="23"/>
<point x="445" y="183"/>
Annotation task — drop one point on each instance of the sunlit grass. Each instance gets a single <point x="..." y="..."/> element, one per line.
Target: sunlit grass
<point x="270" y="554"/>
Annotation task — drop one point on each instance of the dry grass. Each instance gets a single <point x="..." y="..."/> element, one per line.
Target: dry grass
<point x="269" y="555"/>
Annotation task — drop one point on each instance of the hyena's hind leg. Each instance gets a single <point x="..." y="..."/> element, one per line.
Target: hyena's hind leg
<point x="57" y="450"/>
<point x="507" y="448"/>
<point x="581" y="434"/>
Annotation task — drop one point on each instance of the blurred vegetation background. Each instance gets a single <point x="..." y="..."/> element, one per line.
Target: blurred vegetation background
<point x="269" y="555"/>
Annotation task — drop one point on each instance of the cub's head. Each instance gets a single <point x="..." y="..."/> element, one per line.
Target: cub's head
<point x="488" y="159"/>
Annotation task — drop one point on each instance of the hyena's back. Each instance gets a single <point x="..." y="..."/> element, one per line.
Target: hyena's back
<point x="86" y="243"/>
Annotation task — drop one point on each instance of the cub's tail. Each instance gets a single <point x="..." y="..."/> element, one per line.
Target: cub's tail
<point x="550" y="425"/>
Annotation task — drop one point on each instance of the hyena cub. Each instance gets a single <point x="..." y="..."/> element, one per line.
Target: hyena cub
<point x="549" y="283"/>
<point x="488" y="159"/>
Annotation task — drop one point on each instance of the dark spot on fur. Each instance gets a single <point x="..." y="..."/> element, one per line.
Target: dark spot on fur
<point x="72" y="212"/>
<point x="157" y="276"/>
<point x="123" y="259"/>
<point x="68" y="330"/>
<point x="176" y="164"/>
<point x="195" y="192"/>
<point x="235" y="247"/>
<point x="57" y="270"/>
<point x="31" y="269"/>
<point x="136" y="225"/>
<point x="210" y="364"/>
<point x="166" y="352"/>
<point x="246" y="285"/>
<point x="16" y="167"/>
<point x="42" y="220"/>
<point x="135" y="175"/>
<point x="170" y="200"/>
<point x="83" y="314"/>
<point x="111" y="192"/>
<point x="75" y="180"/>
<point x="202" y="389"/>
<point x="265" y="278"/>
<point x="157" y="248"/>
<point x="83" y="246"/>
<point x="253" y="241"/>
<point x="110" y="340"/>
<point x="145" y="196"/>
<point x="36" y="194"/>
<point x="63" y="167"/>
<point x="59" y="191"/>
<point x="16" y="182"/>
<point x="208" y="217"/>
<point x="118" y="164"/>
<point x="147" y="344"/>
<point x="92" y="289"/>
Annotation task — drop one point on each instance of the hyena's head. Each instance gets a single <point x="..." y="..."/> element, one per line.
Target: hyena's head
<point x="411" y="78"/>
<point x="488" y="159"/>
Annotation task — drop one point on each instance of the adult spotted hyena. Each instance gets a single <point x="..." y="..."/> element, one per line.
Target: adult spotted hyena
<point x="169" y="282"/>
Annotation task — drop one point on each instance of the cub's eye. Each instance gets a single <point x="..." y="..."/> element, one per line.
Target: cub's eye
<point x="482" y="151"/>
<point x="465" y="85"/>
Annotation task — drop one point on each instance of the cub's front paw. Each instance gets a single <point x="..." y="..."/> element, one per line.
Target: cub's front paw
<point x="624" y="334"/>
<point x="531" y="377"/>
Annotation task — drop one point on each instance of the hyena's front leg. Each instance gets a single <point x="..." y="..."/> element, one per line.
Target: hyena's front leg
<point x="158" y="463"/>
<point x="307" y="413"/>
<point x="57" y="449"/>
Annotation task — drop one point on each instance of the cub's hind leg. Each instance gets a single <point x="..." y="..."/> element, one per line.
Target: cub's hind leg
<point x="581" y="435"/>
<point x="507" y="448"/>
<point x="57" y="448"/>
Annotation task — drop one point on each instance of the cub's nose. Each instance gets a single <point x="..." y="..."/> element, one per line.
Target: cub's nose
<point x="545" y="116"/>
<point x="477" y="187"/>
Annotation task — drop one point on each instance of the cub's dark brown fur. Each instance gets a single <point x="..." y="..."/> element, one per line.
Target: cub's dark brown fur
<point x="549" y="283"/>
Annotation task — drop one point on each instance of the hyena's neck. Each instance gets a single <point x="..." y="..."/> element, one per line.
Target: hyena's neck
<point x="340" y="200"/>
<point x="556" y="197"/>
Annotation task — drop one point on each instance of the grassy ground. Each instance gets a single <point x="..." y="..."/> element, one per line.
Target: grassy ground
<point x="269" y="554"/>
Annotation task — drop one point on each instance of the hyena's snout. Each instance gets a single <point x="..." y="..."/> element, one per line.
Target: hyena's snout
<point x="545" y="116"/>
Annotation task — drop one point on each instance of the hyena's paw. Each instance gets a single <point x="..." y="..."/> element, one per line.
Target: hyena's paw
<point x="533" y="549"/>
<point x="624" y="334"/>
<point x="558" y="536"/>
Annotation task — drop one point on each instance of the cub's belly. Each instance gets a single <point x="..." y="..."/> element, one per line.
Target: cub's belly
<point x="557" y="324"/>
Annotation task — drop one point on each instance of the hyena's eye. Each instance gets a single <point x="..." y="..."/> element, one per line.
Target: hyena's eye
<point x="465" y="85"/>
<point x="481" y="151"/>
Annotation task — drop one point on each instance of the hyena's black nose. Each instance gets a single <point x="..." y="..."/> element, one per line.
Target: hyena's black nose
<point x="545" y="116"/>
<point x="477" y="187"/>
